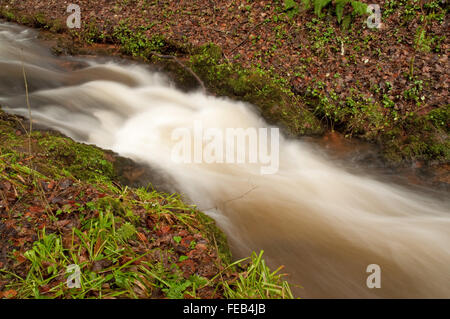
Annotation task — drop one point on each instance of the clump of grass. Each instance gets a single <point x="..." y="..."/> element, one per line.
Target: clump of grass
<point x="97" y="240"/>
<point x="259" y="282"/>
<point x="338" y="7"/>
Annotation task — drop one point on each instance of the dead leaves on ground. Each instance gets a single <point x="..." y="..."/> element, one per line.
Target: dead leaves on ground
<point x="57" y="206"/>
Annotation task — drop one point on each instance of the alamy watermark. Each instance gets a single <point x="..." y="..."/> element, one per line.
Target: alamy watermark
<point x="230" y="145"/>
<point x="74" y="279"/>
<point x="74" y="20"/>
<point x="374" y="20"/>
<point x="374" y="279"/>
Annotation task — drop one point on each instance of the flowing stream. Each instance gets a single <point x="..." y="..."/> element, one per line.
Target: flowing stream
<point x="322" y="222"/>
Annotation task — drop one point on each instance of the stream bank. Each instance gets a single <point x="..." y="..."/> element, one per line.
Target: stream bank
<point x="390" y="103"/>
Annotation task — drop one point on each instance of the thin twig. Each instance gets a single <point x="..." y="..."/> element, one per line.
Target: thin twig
<point x="20" y="122"/>
<point x="239" y="197"/>
<point x="233" y="199"/>
<point x="37" y="182"/>
<point x="28" y="102"/>
<point x="171" y="57"/>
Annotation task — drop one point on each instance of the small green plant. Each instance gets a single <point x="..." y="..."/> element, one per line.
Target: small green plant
<point x="422" y="42"/>
<point x="92" y="33"/>
<point x="426" y="43"/>
<point x="414" y="92"/>
<point x="337" y="6"/>
<point x="126" y="231"/>
<point x="49" y="261"/>
<point x="291" y="8"/>
<point x="177" y="239"/>
<point x="135" y="42"/>
<point x="258" y="281"/>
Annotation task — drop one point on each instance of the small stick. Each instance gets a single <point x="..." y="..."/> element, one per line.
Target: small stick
<point x="28" y="102"/>
<point x="183" y="66"/>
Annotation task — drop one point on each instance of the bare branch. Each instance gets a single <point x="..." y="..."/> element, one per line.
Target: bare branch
<point x="171" y="57"/>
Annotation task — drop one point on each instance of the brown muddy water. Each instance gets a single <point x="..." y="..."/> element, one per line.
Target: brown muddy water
<point x="323" y="219"/>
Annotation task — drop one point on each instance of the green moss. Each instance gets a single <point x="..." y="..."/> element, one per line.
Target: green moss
<point x="82" y="161"/>
<point x="57" y="26"/>
<point x="425" y="141"/>
<point x="440" y="117"/>
<point x="40" y="20"/>
<point x="8" y="15"/>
